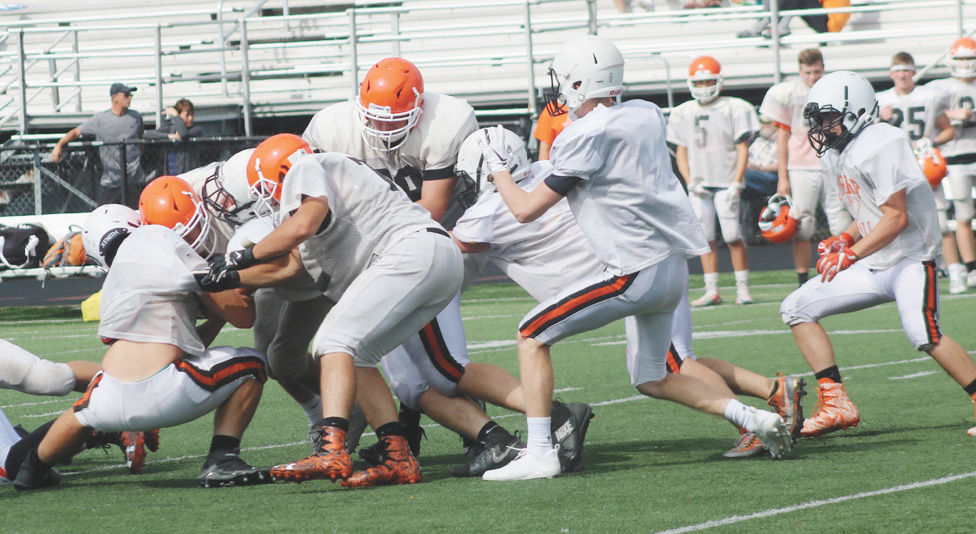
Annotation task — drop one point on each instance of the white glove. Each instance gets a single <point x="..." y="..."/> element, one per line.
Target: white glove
<point x="732" y="195"/>
<point x="698" y="189"/>
<point x="492" y="146"/>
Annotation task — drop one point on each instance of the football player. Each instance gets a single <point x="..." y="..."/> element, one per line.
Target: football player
<point x="551" y="252"/>
<point x="611" y="165"/>
<point x="158" y="370"/>
<point x="800" y="176"/>
<point x="960" y="153"/>
<point x="410" y="136"/>
<point x="920" y="111"/>
<point x="345" y="218"/>
<point x="887" y="253"/>
<point x="712" y="135"/>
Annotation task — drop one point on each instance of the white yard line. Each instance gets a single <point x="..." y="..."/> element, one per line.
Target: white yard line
<point x="913" y="375"/>
<point x="818" y="503"/>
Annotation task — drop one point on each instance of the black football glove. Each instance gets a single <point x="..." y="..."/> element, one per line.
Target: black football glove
<point x="210" y="284"/>
<point x="234" y="260"/>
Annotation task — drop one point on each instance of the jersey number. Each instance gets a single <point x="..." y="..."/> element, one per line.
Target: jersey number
<point x="701" y="134"/>
<point x="916" y="126"/>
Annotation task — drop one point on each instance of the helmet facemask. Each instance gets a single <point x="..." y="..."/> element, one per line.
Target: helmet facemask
<point x="386" y="130"/>
<point x="840" y="105"/>
<point x="205" y="241"/>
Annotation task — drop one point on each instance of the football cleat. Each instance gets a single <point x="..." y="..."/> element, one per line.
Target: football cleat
<point x="134" y="449"/>
<point x="971" y="279"/>
<point x="708" y="299"/>
<point x="569" y="425"/>
<point x="786" y="402"/>
<point x="746" y="445"/>
<point x="499" y="449"/>
<point x="527" y="465"/>
<point x="398" y="466"/>
<point x="835" y="411"/>
<point x="32" y="477"/>
<point x="742" y="295"/>
<point x="771" y="430"/>
<point x="957" y="285"/>
<point x="330" y="461"/>
<point x="226" y="468"/>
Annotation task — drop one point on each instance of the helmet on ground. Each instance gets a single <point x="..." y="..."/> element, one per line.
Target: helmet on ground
<point x="389" y="103"/>
<point x="776" y="222"/>
<point x="471" y="164"/>
<point x="586" y="67"/>
<point x="841" y="98"/>
<point x="104" y="230"/>
<point x="704" y="69"/>
<point x="171" y="202"/>
<point x="227" y="193"/>
<point x="267" y="167"/>
<point x="962" y="58"/>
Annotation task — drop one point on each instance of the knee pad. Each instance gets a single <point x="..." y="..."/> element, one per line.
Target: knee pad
<point x="47" y="378"/>
<point x="964" y="209"/>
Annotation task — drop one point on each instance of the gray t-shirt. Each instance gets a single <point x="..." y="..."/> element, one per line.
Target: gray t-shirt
<point x="111" y="128"/>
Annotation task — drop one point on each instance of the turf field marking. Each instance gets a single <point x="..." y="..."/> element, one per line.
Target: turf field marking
<point x="711" y="334"/>
<point x="818" y="503"/>
<point x="52" y="401"/>
<point x="914" y="375"/>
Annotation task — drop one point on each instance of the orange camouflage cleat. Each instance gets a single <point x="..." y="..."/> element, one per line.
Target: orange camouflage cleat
<point x="398" y="466"/>
<point x="330" y="461"/>
<point x="835" y="411"/>
<point x="786" y="402"/>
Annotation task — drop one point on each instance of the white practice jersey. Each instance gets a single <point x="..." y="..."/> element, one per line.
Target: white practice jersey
<point x="915" y="112"/>
<point x="710" y="133"/>
<point x="876" y="164"/>
<point x="961" y="95"/>
<point x="543" y="256"/>
<point x="629" y="203"/>
<point x="367" y="214"/>
<point x="429" y="153"/>
<point x="150" y="294"/>
<point x="253" y="231"/>
<point x="196" y="178"/>
<point x="783" y="104"/>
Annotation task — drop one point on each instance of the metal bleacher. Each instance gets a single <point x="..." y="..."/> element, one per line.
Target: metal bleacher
<point x="292" y="57"/>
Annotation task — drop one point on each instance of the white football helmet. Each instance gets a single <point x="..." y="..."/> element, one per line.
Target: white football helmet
<point x="586" y="67"/>
<point x="104" y="230"/>
<point x="962" y="58"/>
<point x="227" y="193"/>
<point x="471" y="164"/>
<point x="846" y="94"/>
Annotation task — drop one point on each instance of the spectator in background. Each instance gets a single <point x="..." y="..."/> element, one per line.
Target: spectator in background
<point x="112" y="126"/>
<point x="817" y="23"/>
<point x="551" y="121"/>
<point x="177" y="125"/>
<point x="761" y="170"/>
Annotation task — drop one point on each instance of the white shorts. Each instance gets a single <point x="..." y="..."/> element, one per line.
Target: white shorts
<point x="181" y="392"/>
<point x="807" y="190"/>
<point x="942" y="208"/>
<point x="715" y="204"/>
<point x="959" y="182"/>
<point x="435" y="358"/>
<point x="649" y="295"/>
<point x="284" y="329"/>
<point x="910" y="283"/>
<point x="400" y="292"/>
<point x="680" y="349"/>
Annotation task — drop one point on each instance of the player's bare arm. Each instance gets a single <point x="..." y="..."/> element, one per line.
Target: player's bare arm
<point x="741" y="161"/>
<point x="232" y="306"/>
<point x="681" y="158"/>
<point x="894" y="219"/>
<point x="526" y="206"/>
<point x="277" y="272"/>
<point x="435" y="195"/>
<point x="946" y="131"/>
<point x="782" y="154"/>
<point x="293" y="231"/>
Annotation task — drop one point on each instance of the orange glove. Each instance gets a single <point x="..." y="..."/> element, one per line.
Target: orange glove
<point x="834" y="262"/>
<point x="835" y="243"/>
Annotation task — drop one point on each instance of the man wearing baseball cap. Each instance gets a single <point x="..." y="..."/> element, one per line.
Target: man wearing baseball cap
<point x="116" y="124"/>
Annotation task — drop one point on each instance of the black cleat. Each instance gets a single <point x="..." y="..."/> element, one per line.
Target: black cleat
<point x="32" y="477"/>
<point x="499" y="449"/>
<point x="226" y="468"/>
<point x="569" y="425"/>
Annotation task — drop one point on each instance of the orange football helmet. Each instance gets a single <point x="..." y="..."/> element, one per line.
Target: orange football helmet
<point x="933" y="165"/>
<point x="266" y="170"/>
<point x="704" y="68"/>
<point x="776" y="223"/>
<point x="169" y="201"/>
<point x="389" y="104"/>
<point x="962" y="58"/>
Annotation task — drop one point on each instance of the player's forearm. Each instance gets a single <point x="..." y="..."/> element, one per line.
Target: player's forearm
<point x="294" y="230"/>
<point x="891" y="224"/>
<point x="681" y="160"/>
<point x="741" y="161"/>
<point x="273" y="273"/>
<point x="519" y="202"/>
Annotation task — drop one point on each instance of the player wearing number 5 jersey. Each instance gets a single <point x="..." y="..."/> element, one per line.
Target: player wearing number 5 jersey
<point x="712" y="135"/>
<point x="960" y="153"/>
<point x="886" y="254"/>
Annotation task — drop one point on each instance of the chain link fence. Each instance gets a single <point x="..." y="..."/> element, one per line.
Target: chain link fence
<point x="32" y="184"/>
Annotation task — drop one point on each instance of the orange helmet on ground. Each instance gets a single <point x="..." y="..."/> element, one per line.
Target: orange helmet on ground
<point x="389" y="104"/>
<point x="171" y="202"/>
<point x="704" y="68"/>
<point x="962" y="58"/>
<point x="775" y="220"/>
<point x="933" y="165"/>
<point x="270" y="162"/>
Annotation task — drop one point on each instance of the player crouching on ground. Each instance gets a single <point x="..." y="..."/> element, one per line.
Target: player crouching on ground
<point x="157" y="371"/>
<point x="886" y="254"/>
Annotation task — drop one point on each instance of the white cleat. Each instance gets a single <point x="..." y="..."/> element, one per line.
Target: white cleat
<point x="957" y="285"/>
<point x="527" y="465"/>
<point x="772" y="431"/>
<point x="971" y="279"/>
